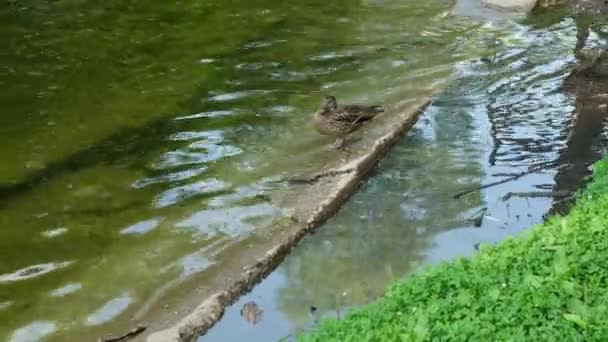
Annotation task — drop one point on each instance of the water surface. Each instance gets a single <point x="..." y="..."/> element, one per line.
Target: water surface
<point x="139" y="140"/>
<point x="500" y="115"/>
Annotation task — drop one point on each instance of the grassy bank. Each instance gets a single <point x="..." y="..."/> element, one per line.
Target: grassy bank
<point x="550" y="284"/>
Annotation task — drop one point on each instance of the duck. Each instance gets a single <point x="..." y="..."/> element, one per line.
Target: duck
<point x="340" y="121"/>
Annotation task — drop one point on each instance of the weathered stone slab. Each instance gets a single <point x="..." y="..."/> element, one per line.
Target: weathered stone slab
<point x="512" y="5"/>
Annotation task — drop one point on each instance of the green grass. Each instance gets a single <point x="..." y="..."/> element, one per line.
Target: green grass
<point x="550" y="284"/>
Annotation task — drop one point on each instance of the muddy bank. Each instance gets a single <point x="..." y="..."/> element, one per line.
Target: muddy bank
<point x="311" y="198"/>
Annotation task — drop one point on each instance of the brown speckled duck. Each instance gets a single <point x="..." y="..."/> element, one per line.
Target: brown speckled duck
<point x="341" y="121"/>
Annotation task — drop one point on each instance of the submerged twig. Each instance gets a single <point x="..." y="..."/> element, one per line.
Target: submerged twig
<point x="132" y="333"/>
<point x="506" y="180"/>
<point x="477" y="218"/>
<point x="478" y="221"/>
<point x="561" y="193"/>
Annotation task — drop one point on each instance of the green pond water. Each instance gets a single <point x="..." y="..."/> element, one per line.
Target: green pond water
<point x="140" y="140"/>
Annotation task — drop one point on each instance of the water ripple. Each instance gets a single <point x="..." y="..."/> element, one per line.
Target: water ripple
<point x="194" y="263"/>
<point x="66" y="290"/>
<point x="226" y="97"/>
<point x="34" y="331"/>
<point x="211" y="114"/>
<point x="110" y="310"/>
<point x="169" y="177"/>
<point x="229" y="221"/>
<point x="181" y="193"/>
<point x="215" y="136"/>
<point x="33" y="271"/>
<point x="5" y="305"/>
<point x="142" y="227"/>
<point x="54" y="232"/>
<point x="181" y="158"/>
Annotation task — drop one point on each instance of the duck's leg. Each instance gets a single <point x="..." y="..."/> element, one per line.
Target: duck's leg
<point x="340" y="142"/>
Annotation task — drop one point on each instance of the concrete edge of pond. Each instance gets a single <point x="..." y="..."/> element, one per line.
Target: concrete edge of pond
<point x="313" y="203"/>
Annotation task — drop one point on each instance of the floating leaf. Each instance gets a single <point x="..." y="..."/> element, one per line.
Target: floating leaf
<point x="252" y="313"/>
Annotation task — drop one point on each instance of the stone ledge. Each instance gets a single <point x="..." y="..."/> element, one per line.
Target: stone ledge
<point x="512" y="5"/>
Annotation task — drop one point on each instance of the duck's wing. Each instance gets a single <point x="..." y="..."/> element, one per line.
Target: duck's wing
<point x="355" y="114"/>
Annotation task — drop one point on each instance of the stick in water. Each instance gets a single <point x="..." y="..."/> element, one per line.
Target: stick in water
<point x="132" y="333"/>
<point x="535" y="194"/>
<point x="506" y="180"/>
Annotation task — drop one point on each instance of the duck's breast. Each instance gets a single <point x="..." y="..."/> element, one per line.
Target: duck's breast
<point x="322" y="125"/>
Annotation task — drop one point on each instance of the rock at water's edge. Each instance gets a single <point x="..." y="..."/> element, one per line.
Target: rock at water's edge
<point x="513" y="5"/>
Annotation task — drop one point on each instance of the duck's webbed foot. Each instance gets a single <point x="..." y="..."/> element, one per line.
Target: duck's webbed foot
<point x="339" y="145"/>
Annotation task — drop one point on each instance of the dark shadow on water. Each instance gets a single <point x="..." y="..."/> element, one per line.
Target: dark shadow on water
<point x="110" y="150"/>
<point x="585" y="137"/>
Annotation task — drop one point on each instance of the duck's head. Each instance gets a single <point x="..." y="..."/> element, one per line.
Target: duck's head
<point x="329" y="103"/>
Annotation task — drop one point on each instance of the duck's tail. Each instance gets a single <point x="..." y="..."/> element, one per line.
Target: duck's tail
<point x="378" y="109"/>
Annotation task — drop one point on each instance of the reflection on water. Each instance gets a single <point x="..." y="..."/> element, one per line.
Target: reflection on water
<point x="55" y="232"/>
<point x="228" y="221"/>
<point x="184" y="192"/>
<point x="109" y="310"/>
<point x="193" y="263"/>
<point x="5" y="305"/>
<point x="34" y="332"/>
<point x="33" y="271"/>
<point x="500" y="115"/>
<point x="142" y="227"/>
<point x="66" y="290"/>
